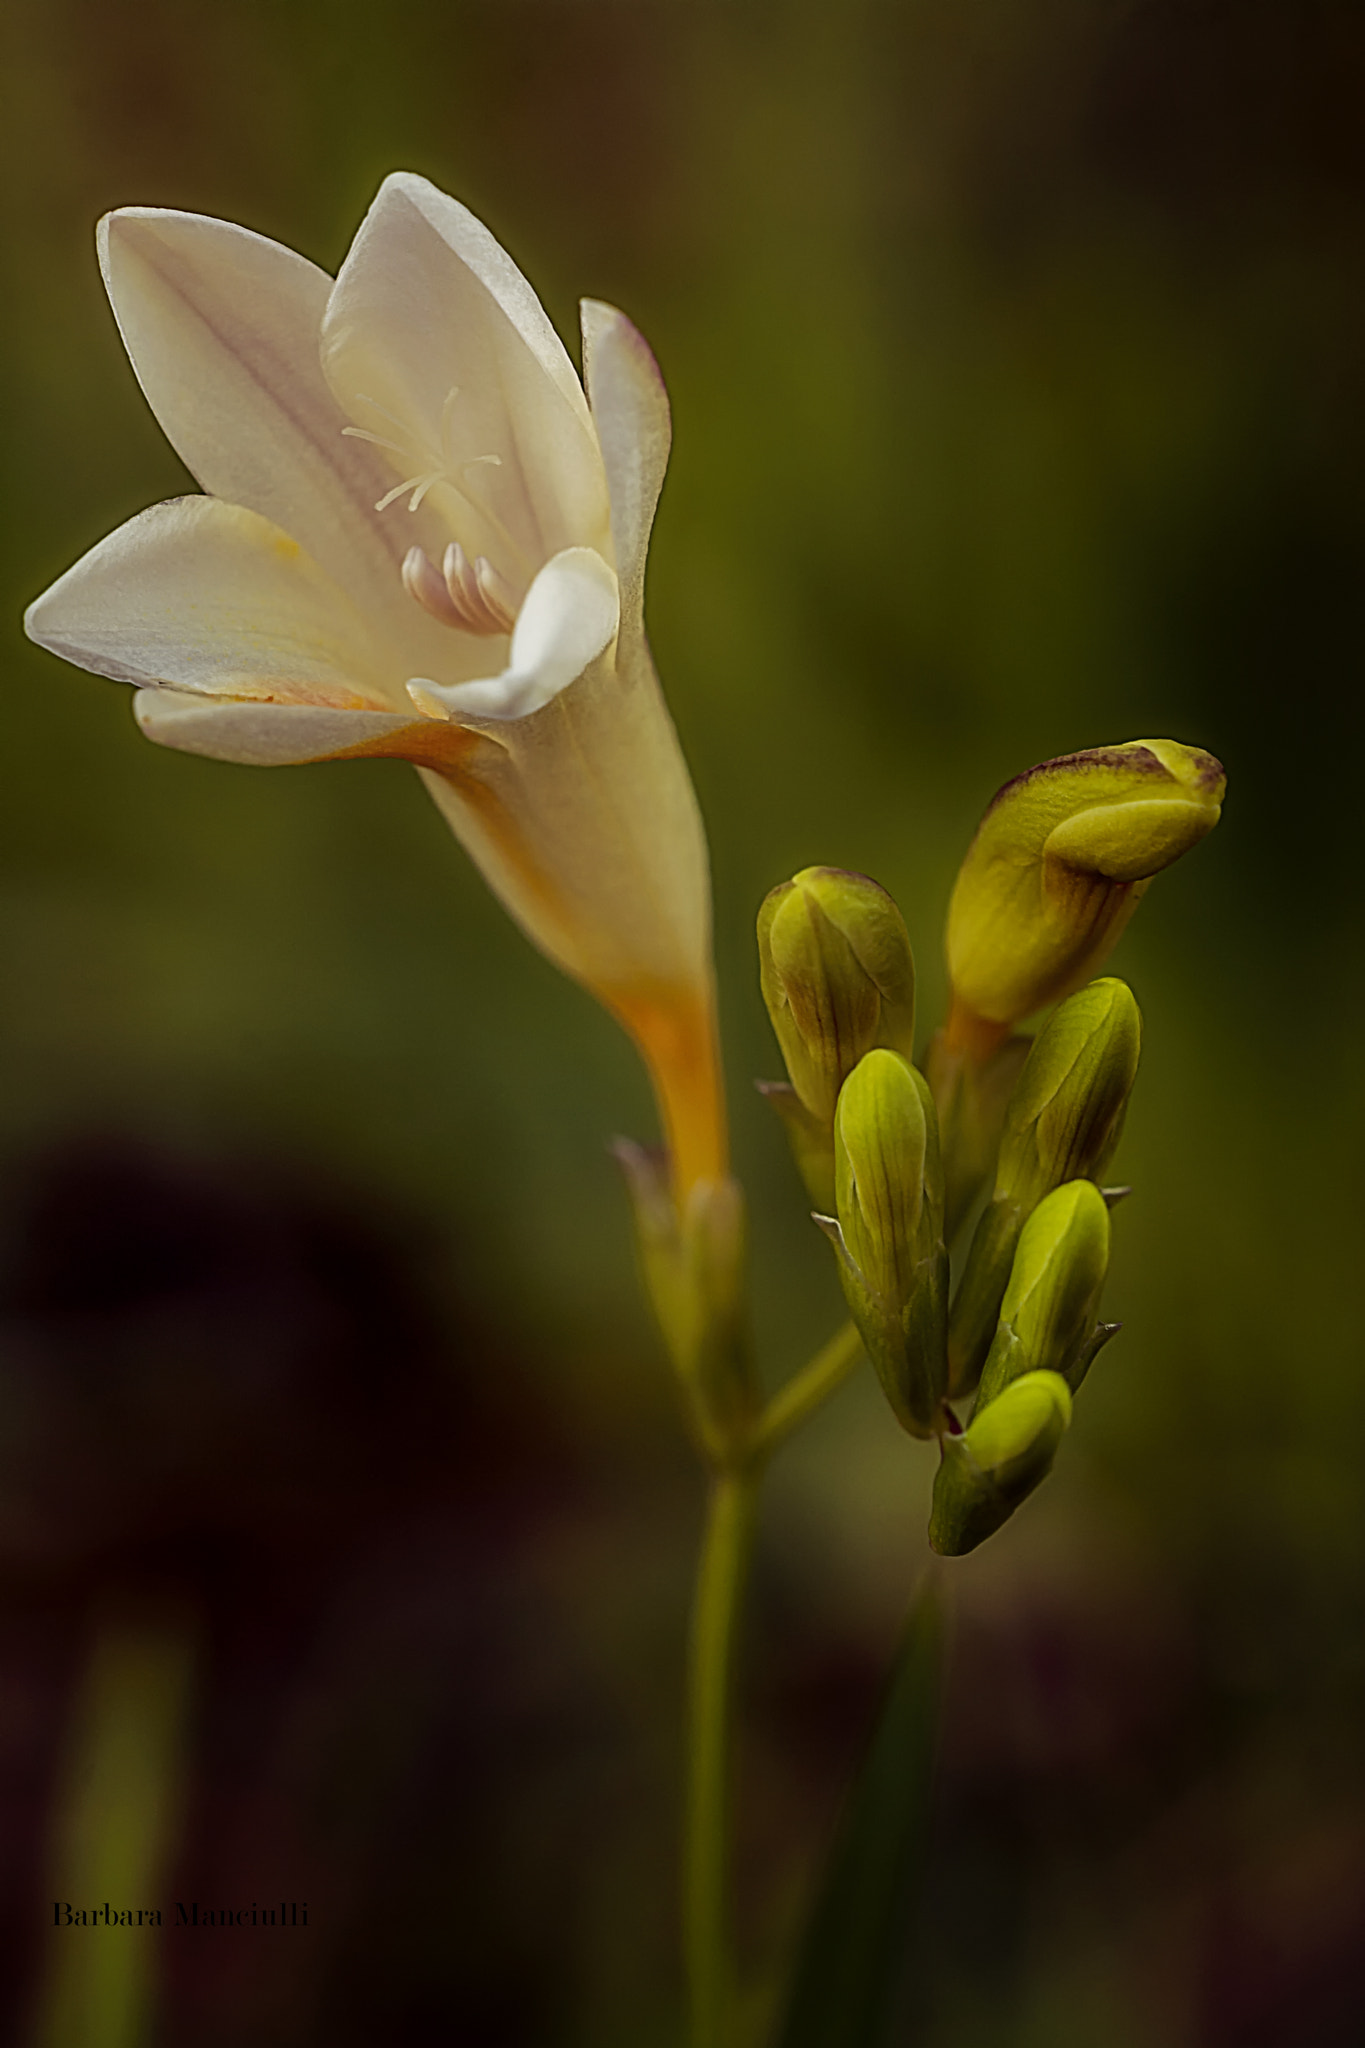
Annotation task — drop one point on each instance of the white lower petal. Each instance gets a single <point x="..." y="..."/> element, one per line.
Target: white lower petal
<point x="214" y="599"/>
<point x="262" y="735"/>
<point x="569" y="618"/>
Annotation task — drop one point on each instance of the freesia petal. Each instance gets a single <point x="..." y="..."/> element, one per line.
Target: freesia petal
<point x="262" y="735"/>
<point x="434" y="341"/>
<point x="222" y="329"/>
<point x="282" y="735"/>
<point x="216" y="600"/>
<point x="635" y="429"/>
<point x="568" y="619"/>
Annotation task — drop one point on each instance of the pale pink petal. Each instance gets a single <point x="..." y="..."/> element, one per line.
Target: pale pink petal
<point x="631" y="413"/>
<point x="434" y="340"/>
<point x="215" y="599"/>
<point x="222" y="327"/>
<point x="262" y="735"/>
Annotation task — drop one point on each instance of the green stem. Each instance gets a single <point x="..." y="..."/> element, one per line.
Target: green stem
<point x="806" y="1390"/>
<point x="721" y="1575"/>
<point x="715" y="1615"/>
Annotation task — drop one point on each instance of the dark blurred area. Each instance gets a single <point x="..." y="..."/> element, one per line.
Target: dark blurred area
<point x="237" y="1403"/>
<point x="1016" y="354"/>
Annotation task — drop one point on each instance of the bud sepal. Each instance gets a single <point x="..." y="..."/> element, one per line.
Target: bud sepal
<point x="693" y="1267"/>
<point x="1102" y="1334"/>
<point x="811" y="1142"/>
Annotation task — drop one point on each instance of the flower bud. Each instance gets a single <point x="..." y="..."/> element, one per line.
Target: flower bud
<point x="1065" y="1116"/>
<point x="885" y="1171"/>
<point x="889" y="1236"/>
<point x="1063" y="1123"/>
<point x="838" y="978"/>
<point x="1047" y="1318"/>
<point x="1056" y="869"/>
<point x="1004" y="1455"/>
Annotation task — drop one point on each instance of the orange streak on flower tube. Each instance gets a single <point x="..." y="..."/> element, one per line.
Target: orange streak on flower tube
<point x="675" y="1029"/>
<point x="426" y="742"/>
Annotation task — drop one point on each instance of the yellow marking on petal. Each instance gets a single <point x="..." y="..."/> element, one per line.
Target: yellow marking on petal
<point x="427" y="743"/>
<point x="318" y="695"/>
<point x="429" y="706"/>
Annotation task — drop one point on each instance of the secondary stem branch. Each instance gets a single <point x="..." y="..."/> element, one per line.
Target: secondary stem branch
<point x="808" y="1389"/>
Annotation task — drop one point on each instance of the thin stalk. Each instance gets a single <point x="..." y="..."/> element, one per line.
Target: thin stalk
<point x="118" y="1807"/>
<point x="721" y="1576"/>
<point x="808" y="1389"/>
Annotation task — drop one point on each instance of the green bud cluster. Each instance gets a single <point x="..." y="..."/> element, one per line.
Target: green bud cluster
<point x="889" y="1232"/>
<point x="838" y="979"/>
<point x="895" y="1159"/>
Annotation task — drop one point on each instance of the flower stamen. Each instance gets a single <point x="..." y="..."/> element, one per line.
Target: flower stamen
<point x="378" y="440"/>
<point x="418" y="485"/>
<point x="472" y="596"/>
<point x="442" y="467"/>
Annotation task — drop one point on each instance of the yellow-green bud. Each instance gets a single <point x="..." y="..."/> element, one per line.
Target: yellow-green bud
<point x="885" y="1172"/>
<point x="892" y="1261"/>
<point x="1057" y="867"/>
<point x="1063" y="1123"/>
<point x="838" y="978"/>
<point x="1047" y="1318"/>
<point x="1006" y="1453"/>
<point x="1065" y="1116"/>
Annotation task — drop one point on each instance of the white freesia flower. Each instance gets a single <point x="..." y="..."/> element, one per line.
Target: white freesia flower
<point x="420" y="540"/>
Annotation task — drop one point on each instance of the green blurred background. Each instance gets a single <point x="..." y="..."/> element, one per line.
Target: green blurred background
<point x="1016" y="354"/>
